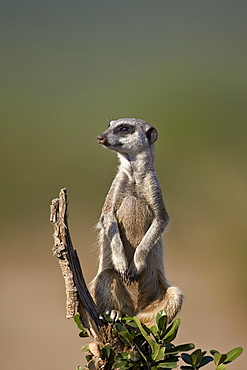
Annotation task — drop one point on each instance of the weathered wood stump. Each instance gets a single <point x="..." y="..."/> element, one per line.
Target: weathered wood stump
<point x="78" y="298"/>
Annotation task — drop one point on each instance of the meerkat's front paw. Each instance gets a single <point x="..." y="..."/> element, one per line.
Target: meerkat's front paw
<point x="121" y="266"/>
<point x="122" y="273"/>
<point x="135" y="269"/>
<point x="132" y="273"/>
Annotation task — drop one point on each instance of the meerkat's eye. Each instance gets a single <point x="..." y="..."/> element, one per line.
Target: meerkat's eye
<point x="124" y="129"/>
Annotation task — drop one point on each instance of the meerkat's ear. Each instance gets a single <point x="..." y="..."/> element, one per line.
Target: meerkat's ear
<point x="152" y="135"/>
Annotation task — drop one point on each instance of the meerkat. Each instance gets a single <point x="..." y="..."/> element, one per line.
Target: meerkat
<point x="131" y="277"/>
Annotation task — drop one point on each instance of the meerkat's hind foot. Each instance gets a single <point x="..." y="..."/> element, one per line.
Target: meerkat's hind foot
<point x="114" y="314"/>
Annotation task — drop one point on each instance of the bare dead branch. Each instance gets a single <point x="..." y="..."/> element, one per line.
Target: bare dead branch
<point x="78" y="298"/>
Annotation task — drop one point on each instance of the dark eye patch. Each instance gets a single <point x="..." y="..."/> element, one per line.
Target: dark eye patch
<point x="124" y="129"/>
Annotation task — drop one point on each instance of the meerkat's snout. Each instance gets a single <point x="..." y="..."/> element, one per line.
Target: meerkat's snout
<point x="101" y="139"/>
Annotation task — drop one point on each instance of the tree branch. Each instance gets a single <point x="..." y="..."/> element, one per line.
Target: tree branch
<point x="78" y="298"/>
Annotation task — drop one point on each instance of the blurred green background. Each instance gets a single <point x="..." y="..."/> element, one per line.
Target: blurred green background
<point x="67" y="67"/>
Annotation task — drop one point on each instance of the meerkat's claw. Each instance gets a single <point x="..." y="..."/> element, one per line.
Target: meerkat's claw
<point x="114" y="314"/>
<point x="123" y="276"/>
<point x="131" y="279"/>
<point x="132" y="274"/>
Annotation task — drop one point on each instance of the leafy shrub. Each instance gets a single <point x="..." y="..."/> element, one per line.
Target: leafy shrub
<point x="151" y="348"/>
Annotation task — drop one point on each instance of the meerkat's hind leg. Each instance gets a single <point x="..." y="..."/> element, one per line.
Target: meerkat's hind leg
<point x="111" y="295"/>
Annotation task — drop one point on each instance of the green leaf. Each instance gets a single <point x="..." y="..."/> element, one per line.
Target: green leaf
<point x="127" y="365"/>
<point x="124" y="355"/>
<point x="126" y="338"/>
<point x="85" y="348"/>
<point x="121" y="359"/>
<point x="159" y="352"/>
<point x="166" y="365"/>
<point x="156" y="350"/>
<point x="196" y="357"/>
<point x="154" y="330"/>
<point x="186" y="358"/>
<point x="83" y="334"/>
<point x="89" y="357"/>
<point x="171" y="351"/>
<point x="120" y="327"/>
<point x="122" y="364"/>
<point x="171" y="332"/>
<point x="185" y="347"/>
<point x="181" y="348"/>
<point x="144" y="333"/>
<point x="77" y="320"/>
<point x="114" y="332"/>
<point x="221" y="367"/>
<point x="219" y="358"/>
<point x="205" y="360"/>
<point x="135" y="356"/>
<point x="123" y="334"/>
<point x="120" y="356"/>
<point x="129" y="321"/>
<point x="161" y="320"/>
<point x="106" y="352"/>
<point x="233" y="354"/>
<point x="106" y="317"/>
<point x="186" y="368"/>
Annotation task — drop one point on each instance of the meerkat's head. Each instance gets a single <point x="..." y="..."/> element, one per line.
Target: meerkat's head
<point x="128" y="135"/>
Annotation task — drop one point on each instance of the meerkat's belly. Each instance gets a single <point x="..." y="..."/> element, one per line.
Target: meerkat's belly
<point x="134" y="218"/>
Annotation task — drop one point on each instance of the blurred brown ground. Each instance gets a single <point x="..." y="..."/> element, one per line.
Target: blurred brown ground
<point x="37" y="334"/>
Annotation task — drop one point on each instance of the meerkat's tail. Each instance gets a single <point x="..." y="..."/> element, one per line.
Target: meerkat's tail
<point x="173" y="301"/>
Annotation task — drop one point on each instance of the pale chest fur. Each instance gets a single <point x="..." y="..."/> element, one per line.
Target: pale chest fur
<point x="134" y="217"/>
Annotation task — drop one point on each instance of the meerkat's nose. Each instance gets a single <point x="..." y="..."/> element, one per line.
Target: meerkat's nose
<point x="101" y="139"/>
